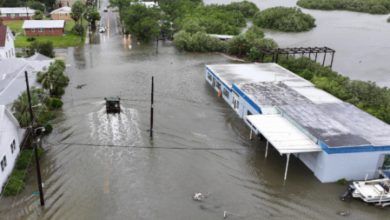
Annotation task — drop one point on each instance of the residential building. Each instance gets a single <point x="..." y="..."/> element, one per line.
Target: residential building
<point x="10" y="140"/>
<point x="44" y="27"/>
<point x="61" y="13"/>
<point x="17" y="13"/>
<point x="7" y="47"/>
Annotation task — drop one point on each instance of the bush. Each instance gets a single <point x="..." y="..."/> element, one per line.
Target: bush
<point x="368" y="6"/>
<point x="284" y="19"/>
<point x="247" y="9"/>
<point x="198" y="42"/>
<point x="15" y="183"/>
<point x="44" y="48"/>
<point x="54" y="103"/>
<point x="78" y="29"/>
<point x="388" y="20"/>
<point x="24" y="159"/>
<point x="48" y="128"/>
<point x="239" y="46"/>
<point x="38" y="15"/>
<point x="36" y="5"/>
<point x="30" y="39"/>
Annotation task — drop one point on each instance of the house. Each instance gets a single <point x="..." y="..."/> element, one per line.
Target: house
<point x="7" y="47"/>
<point x="148" y="4"/>
<point x="18" y="13"/>
<point x="12" y="80"/>
<point x="10" y="140"/>
<point x="334" y="139"/>
<point x="61" y="13"/>
<point x="44" y="27"/>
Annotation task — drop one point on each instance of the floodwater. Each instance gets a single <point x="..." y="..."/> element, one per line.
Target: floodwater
<point x="100" y="166"/>
<point x="361" y="41"/>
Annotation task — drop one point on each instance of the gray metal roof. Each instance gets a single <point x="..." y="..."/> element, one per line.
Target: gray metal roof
<point x="323" y="116"/>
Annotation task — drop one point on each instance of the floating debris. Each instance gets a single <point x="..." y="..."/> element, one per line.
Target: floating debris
<point x="343" y="213"/>
<point x="80" y="86"/>
<point x="199" y="196"/>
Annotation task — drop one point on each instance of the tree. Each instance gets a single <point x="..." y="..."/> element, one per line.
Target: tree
<point x="44" y="48"/>
<point x="142" y="22"/>
<point x="36" y="5"/>
<point x="92" y="15"/>
<point x="54" y="79"/>
<point x="77" y="11"/>
<point x="38" y="15"/>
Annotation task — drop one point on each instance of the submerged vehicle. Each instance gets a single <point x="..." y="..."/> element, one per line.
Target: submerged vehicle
<point x="376" y="191"/>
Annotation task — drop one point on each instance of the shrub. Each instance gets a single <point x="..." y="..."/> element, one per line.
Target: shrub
<point x="54" y="103"/>
<point x="198" y="42"/>
<point x="30" y="39"/>
<point x="368" y="6"/>
<point x="78" y="29"/>
<point x="15" y="183"/>
<point x="248" y="9"/>
<point x="284" y="19"/>
<point x="239" y="46"/>
<point x="24" y="159"/>
<point x="44" y="48"/>
<point x="38" y="15"/>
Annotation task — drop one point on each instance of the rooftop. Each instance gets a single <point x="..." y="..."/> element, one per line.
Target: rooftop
<point x="43" y="24"/>
<point x="64" y="9"/>
<point x="18" y="10"/>
<point x="323" y="116"/>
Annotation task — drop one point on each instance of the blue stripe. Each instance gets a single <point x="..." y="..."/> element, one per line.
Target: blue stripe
<point x="356" y="149"/>
<point x="219" y="79"/>
<point x="246" y="98"/>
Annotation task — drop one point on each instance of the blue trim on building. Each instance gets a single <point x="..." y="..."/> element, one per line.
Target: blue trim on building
<point x="219" y="79"/>
<point x="246" y="98"/>
<point x="352" y="149"/>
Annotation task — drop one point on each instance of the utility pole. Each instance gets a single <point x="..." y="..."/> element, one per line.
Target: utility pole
<point x="37" y="166"/>
<point x="151" y="109"/>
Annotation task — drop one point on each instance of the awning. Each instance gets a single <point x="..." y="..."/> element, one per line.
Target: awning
<point x="283" y="135"/>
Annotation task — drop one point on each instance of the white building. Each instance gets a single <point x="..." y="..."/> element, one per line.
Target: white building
<point x="332" y="138"/>
<point x="12" y="79"/>
<point x="16" y="13"/>
<point x="10" y="140"/>
<point x="7" y="47"/>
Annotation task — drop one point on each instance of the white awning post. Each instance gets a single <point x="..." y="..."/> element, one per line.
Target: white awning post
<point x="285" y="172"/>
<point x="250" y="134"/>
<point x="266" y="149"/>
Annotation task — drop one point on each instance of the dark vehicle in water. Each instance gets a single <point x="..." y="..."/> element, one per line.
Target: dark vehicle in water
<point x="113" y="104"/>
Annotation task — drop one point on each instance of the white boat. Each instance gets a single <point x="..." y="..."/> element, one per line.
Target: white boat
<point x="375" y="191"/>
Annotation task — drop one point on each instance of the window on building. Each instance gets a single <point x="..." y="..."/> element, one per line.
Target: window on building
<point x="225" y="93"/>
<point x="209" y="76"/>
<point x="13" y="146"/>
<point x="8" y="15"/>
<point x="16" y="14"/>
<point x="40" y="29"/>
<point x="3" y="163"/>
<point x="218" y="85"/>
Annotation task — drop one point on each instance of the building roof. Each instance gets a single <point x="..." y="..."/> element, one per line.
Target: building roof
<point x="17" y="10"/>
<point x="43" y="24"/>
<point x="3" y="34"/>
<point x="283" y="135"/>
<point x="319" y="114"/>
<point x="62" y="10"/>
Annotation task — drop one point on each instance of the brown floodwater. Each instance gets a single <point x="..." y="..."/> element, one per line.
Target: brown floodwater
<point x="100" y="166"/>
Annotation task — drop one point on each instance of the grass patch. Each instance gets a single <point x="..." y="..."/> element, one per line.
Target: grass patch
<point x="17" y="179"/>
<point x="68" y="40"/>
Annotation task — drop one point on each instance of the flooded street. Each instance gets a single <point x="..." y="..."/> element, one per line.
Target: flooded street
<point x="100" y="166"/>
<point x="361" y="41"/>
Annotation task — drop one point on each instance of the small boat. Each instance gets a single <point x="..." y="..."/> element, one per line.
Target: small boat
<point x="375" y="191"/>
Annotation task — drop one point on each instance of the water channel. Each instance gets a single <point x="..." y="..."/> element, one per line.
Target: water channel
<point x="99" y="166"/>
<point x="361" y="41"/>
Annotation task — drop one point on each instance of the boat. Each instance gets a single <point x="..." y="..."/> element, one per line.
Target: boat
<point x="376" y="191"/>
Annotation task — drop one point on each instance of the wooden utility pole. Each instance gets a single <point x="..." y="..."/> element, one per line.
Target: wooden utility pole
<point x="151" y="109"/>
<point x="37" y="166"/>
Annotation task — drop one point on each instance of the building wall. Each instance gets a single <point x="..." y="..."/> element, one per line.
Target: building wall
<point x="8" y="51"/>
<point x="9" y="17"/>
<point x="11" y="132"/>
<point x="60" y="17"/>
<point x="44" y="32"/>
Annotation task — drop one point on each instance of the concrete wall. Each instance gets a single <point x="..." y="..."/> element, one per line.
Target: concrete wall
<point x="11" y="132"/>
<point x="44" y="32"/>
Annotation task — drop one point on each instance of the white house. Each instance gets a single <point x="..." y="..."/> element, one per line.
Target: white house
<point x="16" y="13"/>
<point x="61" y="13"/>
<point x="10" y="140"/>
<point x="332" y="138"/>
<point x="7" y="47"/>
<point x="12" y="79"/>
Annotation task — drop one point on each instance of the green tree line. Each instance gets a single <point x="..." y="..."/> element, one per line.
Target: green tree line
<point x="368" y="6"/>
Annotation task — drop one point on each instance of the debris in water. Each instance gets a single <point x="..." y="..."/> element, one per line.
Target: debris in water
<point x="225" y="214"/>
<point x="198" y="196"/>
<point x="343" y="213"/>
<point x="80" y="86"/>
